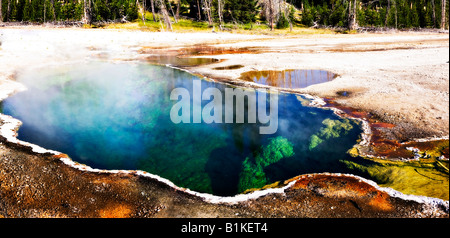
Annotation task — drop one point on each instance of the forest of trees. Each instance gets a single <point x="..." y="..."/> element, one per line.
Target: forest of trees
<point x="377" y="13"/>
<point x="274" y="13"/>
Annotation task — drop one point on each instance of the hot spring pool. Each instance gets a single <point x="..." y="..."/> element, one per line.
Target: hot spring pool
<point x="118" y="116"/>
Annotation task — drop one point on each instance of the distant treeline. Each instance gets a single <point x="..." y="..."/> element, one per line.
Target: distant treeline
<point x="375" y="13"/>
<point x="275" y="13"/>
<point x="66" y="10"/>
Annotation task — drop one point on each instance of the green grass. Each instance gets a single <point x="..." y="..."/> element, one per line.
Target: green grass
<point x="186" y="26"/>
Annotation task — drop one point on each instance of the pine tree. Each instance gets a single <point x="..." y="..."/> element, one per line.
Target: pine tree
<point x="391" y="13"/>
<point x="240" y="11"/>
<point x="132" y="11"/>
<point x="248" y="11"/>
<point x="415" y="21"/>
<point x="195" y="9"/>
<point x="283" y="22"/>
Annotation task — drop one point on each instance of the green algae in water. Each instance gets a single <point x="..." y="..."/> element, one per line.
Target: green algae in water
<point x="117" y="116"/>
<point x="416" y="177"/>
<point x="253" y="175"/>
<point x="331" y="129"/>
<point x="277" y="149"/>
<point x="428" y="175"/>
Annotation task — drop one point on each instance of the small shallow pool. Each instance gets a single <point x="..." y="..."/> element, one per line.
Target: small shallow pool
<point x="290" y="79"/>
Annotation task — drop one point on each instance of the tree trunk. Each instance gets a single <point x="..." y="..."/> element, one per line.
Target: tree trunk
<point x="165" y="14"/>
<point x="44" y="9"/>
<point x="207" y="7"/>
<point x="153" y="10"/>
<point x="178" y="9"/>
<point x="396" y="15"/>
<point x="434" y="13"/>
<point x="199" y="13"/>
<point x="87" y="12"/>
<point x="443" y="15"/>
<point x="143" y="12"/>
<point x="1" y="15"/>
<point x="271" y="15"/>
<point x="352" y="15"/>
<point x="173" y="13"/>
<point x="387" y="12"/>
<point x="8" y="10"/>
<point x="220" y="13"/>
<point x="53" y="8"/>
<point x="287" y="13"/>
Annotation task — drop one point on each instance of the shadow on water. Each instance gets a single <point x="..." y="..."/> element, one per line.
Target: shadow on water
<point x="223" y="169"/>
<point x="224" y="163"/>
<point x="322" y="159"/>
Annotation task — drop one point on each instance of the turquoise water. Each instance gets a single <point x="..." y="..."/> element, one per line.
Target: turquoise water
<point x="117" y="116"/>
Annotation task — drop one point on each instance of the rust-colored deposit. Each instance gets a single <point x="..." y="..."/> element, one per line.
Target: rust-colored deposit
<point x="188" y="56"/>
<point x="41" y="185"/>
<point x="384" y="143"/>
<point x="199" y="50"/>
<point x="346" y="187"/>
<point x="217" y="50"/>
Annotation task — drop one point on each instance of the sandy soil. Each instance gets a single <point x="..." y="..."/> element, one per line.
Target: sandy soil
<point x="39" y="185"/>
<point x="401" y="78"/>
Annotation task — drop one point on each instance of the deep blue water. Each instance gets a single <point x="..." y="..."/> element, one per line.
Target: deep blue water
<point x="117" y="116"/>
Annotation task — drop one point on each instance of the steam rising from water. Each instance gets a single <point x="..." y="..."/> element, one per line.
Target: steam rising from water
<point x="117" y="116"/>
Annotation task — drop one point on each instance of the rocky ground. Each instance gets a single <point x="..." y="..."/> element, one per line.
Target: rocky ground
<point x="37" y="185"/>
